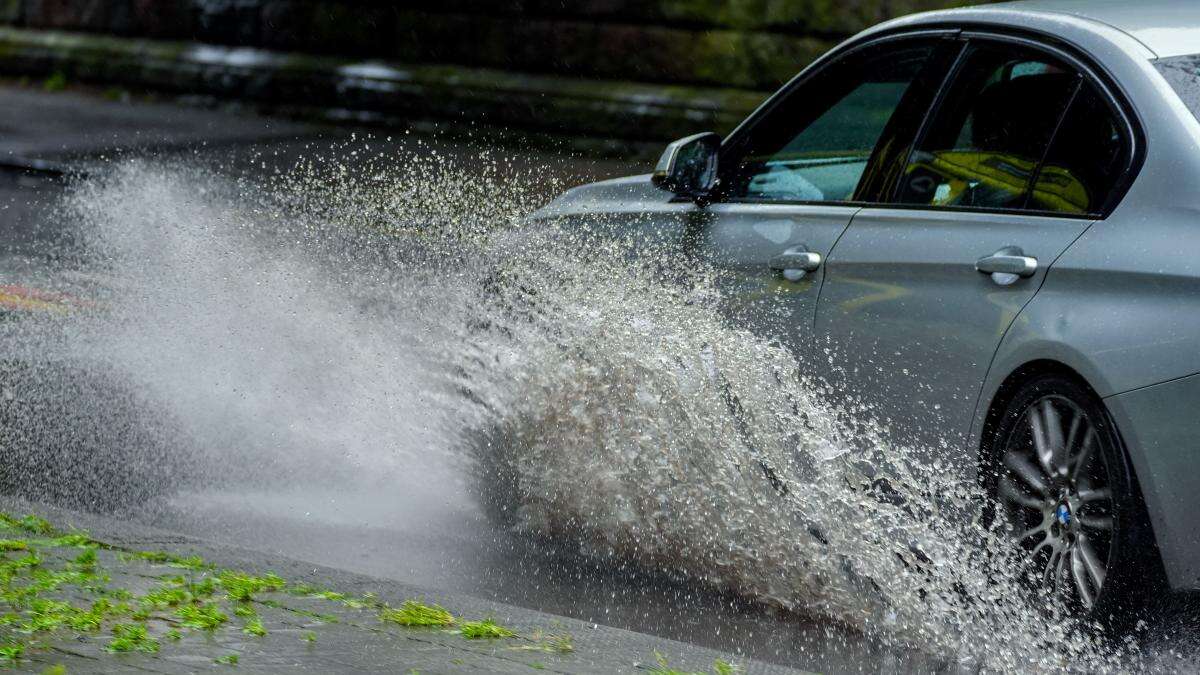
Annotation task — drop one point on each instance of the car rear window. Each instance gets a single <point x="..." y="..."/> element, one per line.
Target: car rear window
<point x="1183" y="73"/>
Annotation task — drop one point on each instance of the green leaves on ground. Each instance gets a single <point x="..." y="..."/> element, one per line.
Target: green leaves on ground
<point x="254" y="627"/>
<point x="30" y="523"/>
<point x="719" y="667"/>
<point x="242" y="587"/>
<point x="166" y="596"/>
<point x="551" y="643"/>
<point x="11" y="653"/>
<point x="192" y="562"/>
<point x="36" y="562"/>
<point x="413" y="613"/>
<point x="202" y="616"/>
<point x="486" y="629"/>
<point x="132" y="637"/>
<point x="724" y="668"/>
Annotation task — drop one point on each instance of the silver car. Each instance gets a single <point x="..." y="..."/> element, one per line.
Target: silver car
<point x="985" y="224"/>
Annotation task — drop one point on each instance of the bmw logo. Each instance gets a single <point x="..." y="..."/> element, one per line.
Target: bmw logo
<point x="1064" y="514"/>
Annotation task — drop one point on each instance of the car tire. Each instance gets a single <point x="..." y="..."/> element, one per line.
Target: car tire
<point x="1061" y="479"/>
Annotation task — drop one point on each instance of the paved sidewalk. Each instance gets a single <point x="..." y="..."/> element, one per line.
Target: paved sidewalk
<point x="316" y="619"/>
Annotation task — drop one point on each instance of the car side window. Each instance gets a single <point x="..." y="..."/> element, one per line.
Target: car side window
<point x="816" y="145"/>
<point x="1087" y="158"/>
<point x="983" y="147"/>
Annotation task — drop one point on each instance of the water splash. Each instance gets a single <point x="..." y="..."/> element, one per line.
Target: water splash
<point x="359" y="321"/>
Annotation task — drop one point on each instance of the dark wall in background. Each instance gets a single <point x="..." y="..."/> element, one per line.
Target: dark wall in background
<point x="610" y="69"/>
<point x="737" y="43"/>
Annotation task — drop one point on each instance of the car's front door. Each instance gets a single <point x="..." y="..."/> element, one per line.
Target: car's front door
<point x="792" y="176"/>
<point x="1011" y="167"/>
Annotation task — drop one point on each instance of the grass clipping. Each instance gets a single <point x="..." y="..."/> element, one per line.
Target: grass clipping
<point x="415" y="614"/>
<point x="484" y="630"/>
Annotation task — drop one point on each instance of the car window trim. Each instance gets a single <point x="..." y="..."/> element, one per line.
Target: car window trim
<point x="1108" y="86"/>
<point x="970" y="42"/>
<point x="1080" y="83"/>
<point x="892" y="193"/>
<point x="737" y="138"/>
<point x="1040" y="213"/>
<point x="949" y="66"/>
<point x="1134" y="138"/>
<point x="824" y="61"/>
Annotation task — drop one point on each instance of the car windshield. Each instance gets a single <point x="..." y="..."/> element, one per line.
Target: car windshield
<point x="1183" y="73"/>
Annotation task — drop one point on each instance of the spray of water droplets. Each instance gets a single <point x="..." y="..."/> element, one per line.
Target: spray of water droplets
<point x="363" y="321"/>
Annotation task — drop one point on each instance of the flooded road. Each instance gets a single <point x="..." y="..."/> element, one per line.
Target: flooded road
<point x="363" y="359"/>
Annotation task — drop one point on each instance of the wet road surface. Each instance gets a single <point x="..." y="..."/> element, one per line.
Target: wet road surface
<point x="437" y="540"/>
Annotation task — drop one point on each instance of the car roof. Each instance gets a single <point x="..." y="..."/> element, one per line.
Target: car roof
<point x="1167" y="27"/>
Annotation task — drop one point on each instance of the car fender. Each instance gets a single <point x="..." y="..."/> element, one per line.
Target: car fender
<point x="1121" y="308"/>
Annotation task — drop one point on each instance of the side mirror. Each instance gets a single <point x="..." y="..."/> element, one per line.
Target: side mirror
<point x="688" y="167"/>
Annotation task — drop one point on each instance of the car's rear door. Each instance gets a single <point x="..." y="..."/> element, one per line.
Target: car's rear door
<point x="794" y="175"/>
<point x="1009" y="169"/>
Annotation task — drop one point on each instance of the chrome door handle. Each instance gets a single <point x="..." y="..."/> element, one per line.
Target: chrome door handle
<point x="796" y="262"/>
<point x="1007" y="265"/>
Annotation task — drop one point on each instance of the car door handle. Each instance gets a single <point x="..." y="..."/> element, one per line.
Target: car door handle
<point x="1007" y="265"/>
<point x="796" y="262"/>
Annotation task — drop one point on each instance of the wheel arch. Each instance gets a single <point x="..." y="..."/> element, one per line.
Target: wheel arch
<point x="1007" y="389"/>
<point x="1004" y="392"/>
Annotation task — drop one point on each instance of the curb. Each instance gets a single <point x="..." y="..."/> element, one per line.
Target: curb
<point x="369" y="646"/>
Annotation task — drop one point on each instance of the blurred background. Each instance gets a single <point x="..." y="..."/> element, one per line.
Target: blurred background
<point x="618" y="72"/>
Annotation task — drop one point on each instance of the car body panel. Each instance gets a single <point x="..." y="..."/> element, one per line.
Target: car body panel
<point x="911" y="325"/>
<point x="1161" y="422"/>
<point x="741" y="239"/>
<point x="1168" y="27"/>
<point x="1120" y="306"/>
<point x="630" y="208"/>
<point x="738" y="241"/>
<point x="630" y="194"/>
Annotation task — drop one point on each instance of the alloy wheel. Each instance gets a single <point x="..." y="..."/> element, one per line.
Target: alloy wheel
<point x="1055" y="487"/>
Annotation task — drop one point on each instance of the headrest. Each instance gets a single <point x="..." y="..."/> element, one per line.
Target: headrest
<point x="1018" y="116"/>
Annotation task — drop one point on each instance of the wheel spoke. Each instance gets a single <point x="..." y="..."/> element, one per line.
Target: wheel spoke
<point x="1040" y="529"/>
<point x="1100" y="523"/>
<point x="1064" y="568"/>
<point x="1078" y="574"/>
<point x="1050" y="574"/>
<point x="1077" y="425"/>
<point x="1094" y="494"/>
<point x="1057" y="459"/>
<point x="1041" y="439"/>
<point x="1028" y="474"/>
<point x="1090" y="561"/>
<point x="1085" y="453"/>
<point x="1013" y="494"/>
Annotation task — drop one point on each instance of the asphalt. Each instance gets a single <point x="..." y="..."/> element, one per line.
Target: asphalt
<point x="36" y="124"/>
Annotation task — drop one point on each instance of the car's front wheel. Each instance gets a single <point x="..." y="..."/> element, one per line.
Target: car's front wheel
<point x="1062" y="479"/>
